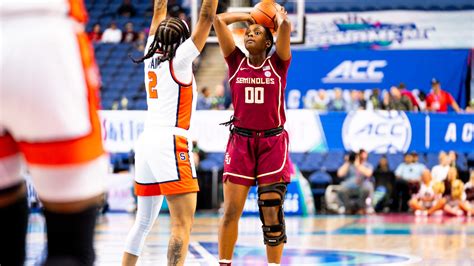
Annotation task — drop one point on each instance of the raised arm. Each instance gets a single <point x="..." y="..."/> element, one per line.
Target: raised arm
<point x="159" y="14"/>
<point x="224" y="35"/>
<point x="283" y="35"/>
<point x="206" y="17"/>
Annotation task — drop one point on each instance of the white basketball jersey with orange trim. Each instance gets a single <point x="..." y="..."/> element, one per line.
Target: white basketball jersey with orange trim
<point x="171" y="88"/>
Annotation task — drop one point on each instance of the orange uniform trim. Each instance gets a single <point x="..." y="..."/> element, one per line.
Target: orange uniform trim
<point x="181" y="187"/>
<point x="78" y="10"/>
<point x="147" y="189"/>
<point x="186" y="181"/>
<point x="185" y="101"/>
<point x="185" y="105"/>
<point x="183" y="163"/>
<point x="82" y="149"/>
<point x="8" y="146"/>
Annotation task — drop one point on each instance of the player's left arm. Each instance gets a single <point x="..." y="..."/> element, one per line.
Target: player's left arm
<point x="283" y="35"/>
<point x="159" y="14"/>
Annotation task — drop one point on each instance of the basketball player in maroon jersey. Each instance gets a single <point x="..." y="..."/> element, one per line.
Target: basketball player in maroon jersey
<point x="257" y="151"/>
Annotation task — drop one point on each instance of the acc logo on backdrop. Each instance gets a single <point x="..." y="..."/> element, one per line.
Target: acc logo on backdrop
<point x="380" y="131"/>
<point x="358" y="71"/>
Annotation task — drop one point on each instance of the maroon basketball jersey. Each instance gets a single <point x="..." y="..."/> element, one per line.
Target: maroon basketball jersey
<point x="258" y="92"/>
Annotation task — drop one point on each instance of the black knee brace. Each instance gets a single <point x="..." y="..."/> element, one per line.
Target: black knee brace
<point x="279" y="188"/>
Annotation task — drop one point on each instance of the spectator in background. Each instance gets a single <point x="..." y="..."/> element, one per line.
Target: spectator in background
<point x="126" y="9"/>
<point x="429" y="198"/>
<point x="356" y="172"/>
<point x="384" y="178"/>
<point x="374" y="99"/>
<point x="218" y="101"/>
<point x="422" y="100"/>
<point x="140" y="43"/>
<point x="112" y="34"/>
<point x="469" y="189"/>
<point x="407" y="182"/>
<point x="96" y="34"/>
<point x="317" y="100"/>
<point x="357" y="101"/>
<point x="337" y="103"/>
<point x="405" y="92"/>
<point x="470" y="107"/>
<point x="204" y="100"/>
<point x="322" y="100"/>
<point x="452" y="175"/>
<point x="198" y="154"/>
<point x="440" y="171"/>
<point x="438" y="99"/>
<point x="398" y="101"/>
<point x="129" y="35"/>
<point x="453" y="159"/>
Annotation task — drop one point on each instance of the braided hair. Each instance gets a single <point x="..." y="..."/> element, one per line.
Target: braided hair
<point x="171" y="33"/>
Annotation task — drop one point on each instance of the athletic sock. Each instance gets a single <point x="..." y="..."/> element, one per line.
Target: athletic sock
<point x="71" y="236"/>
<point x="225" y="262"/>
<point x="273" y="264"/>
<point x="13" y="226"/>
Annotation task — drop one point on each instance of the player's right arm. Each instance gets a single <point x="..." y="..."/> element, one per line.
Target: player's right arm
<point x="224" y="35"/>
<point x="203" y="26"/>
<point x="159" y="14"/>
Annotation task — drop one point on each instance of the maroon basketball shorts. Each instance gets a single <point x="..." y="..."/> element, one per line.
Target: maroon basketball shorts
<point x="252" y="160"/>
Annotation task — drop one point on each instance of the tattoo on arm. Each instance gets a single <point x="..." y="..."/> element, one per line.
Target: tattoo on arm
<point x="206" y="9"/>
<point x="175" y="251"/>
<point x="159" y="4"/>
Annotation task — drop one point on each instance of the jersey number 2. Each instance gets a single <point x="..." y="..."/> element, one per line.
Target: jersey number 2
<point x="254" y="95"/>
<point x="152" y="92"/>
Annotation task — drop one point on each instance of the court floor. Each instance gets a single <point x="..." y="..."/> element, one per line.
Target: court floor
<point x="316" y="240"/>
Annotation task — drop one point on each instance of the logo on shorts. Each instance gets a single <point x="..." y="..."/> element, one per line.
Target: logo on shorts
<point x="182" y="156"/>
<point x="381" y="131"/>
<point x="227" y="158"/>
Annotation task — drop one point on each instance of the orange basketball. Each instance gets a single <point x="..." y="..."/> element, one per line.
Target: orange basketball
<point x="264" y="13"/>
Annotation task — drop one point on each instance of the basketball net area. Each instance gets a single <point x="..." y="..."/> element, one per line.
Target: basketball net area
<point x="295" y="9"/>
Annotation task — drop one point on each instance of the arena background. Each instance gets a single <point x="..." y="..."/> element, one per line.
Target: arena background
<point x="355" y="47"/>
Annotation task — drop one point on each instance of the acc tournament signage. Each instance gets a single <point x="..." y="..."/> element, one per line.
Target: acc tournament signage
<point x="368" y="69"/>
<point x="391" y="30"/>
<point x="120" y="130"/>
<point x="310" y="131"/>
<point x="379" y="132"/>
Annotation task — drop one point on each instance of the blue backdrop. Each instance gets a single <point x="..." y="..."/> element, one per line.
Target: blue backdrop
<point x="367" y="69"/>
<point x="382" y="132"/>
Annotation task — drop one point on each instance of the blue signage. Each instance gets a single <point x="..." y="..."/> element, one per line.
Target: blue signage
<point x="294" y="201"/>
<point x="398" y="132"/>
<point x="368" y="69"/>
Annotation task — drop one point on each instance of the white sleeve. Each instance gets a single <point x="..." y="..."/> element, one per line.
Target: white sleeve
<point x="185" y="54"/>
<point x="183" y="60"/>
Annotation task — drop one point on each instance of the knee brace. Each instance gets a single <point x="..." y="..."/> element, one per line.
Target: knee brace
<point x="280" y="189"/>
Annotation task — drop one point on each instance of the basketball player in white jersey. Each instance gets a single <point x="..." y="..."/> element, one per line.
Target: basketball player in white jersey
<point x="48" y="120"/>
<point x="163" y="160"/>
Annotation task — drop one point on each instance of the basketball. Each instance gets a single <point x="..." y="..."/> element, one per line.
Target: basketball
<point x="264" y="13"/>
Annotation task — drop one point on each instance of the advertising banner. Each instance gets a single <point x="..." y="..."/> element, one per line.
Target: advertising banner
<point x="310" y="131"/>
<point x="312" y="70"/>
<point x="392" y="29"/>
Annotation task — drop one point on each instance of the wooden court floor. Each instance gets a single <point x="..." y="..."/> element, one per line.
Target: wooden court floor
<point x="317" y="240"/>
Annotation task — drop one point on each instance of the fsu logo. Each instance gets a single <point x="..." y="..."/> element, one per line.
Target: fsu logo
<point x="227" y="158"/>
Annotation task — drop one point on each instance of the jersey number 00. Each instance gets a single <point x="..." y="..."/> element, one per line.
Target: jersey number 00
<point x="254" y="95"/>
